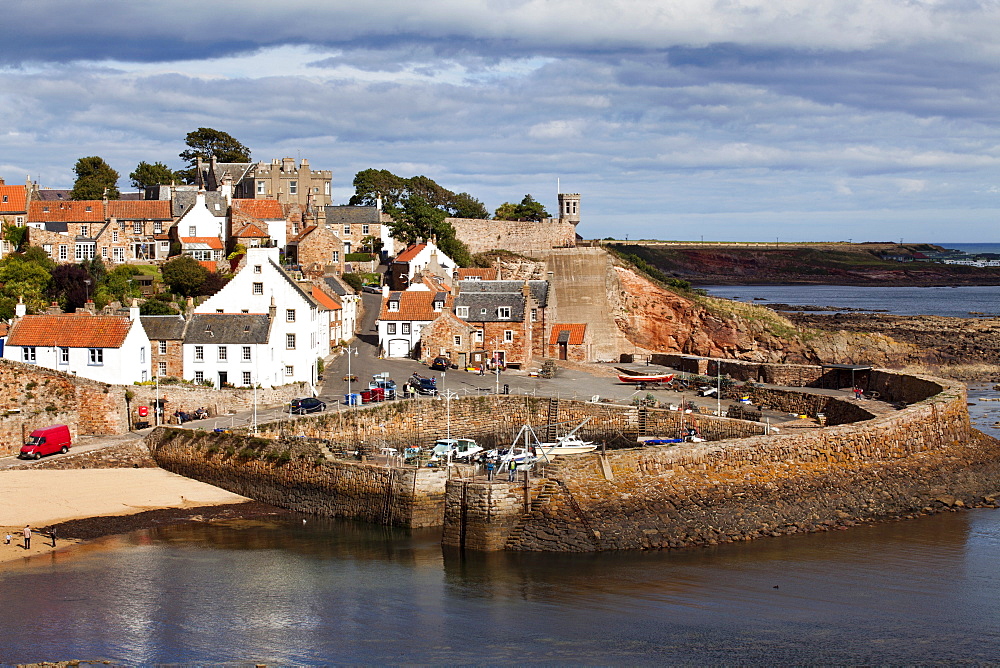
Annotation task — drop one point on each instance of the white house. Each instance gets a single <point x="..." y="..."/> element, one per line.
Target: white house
<point x="299" y="330"/>
<point x="230" y="349"/>
<point x="203" y="233"/>
<point x="402" y="317"/>
<point x="107" y="348"/>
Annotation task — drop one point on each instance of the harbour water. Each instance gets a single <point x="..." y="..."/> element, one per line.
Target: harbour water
<point x="326" y="591"/>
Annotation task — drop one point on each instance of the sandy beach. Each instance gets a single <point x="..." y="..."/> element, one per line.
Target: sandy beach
<point x="42" y="498"/>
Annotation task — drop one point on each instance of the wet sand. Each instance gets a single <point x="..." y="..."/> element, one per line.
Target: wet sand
<point x="101" y="502"/>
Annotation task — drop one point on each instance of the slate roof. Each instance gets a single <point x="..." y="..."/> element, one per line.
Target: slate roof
<point x="185" y="199"/>
<point x="414" y="305"/>
<point x="70" y="330"/>
<point x="571" y="333"/>
<point x="539" y="289"/>
<point x="139" y="210"/>
<point x="262" y="209"/>
<point x="338" y="287"/>
<point x="483" y="306"/>
<point x="53" y="194"/>
<point x="351" y="214"/>
<point x="163" y="327"/>
<point x="237" y="170"/>
<point x="228" y="328"/>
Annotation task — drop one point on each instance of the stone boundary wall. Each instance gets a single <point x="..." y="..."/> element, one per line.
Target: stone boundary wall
<point x="526" y="237"/>
<point x="219" y="401"/>
<point x="297" y="477"/>
<point x="702" y="493"/>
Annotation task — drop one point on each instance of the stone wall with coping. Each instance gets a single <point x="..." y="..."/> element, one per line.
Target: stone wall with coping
<point x="221" y="401"/>
<point x="525" y="237"/>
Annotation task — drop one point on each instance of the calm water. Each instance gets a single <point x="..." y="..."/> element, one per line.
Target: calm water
<point x="954" y="302"/>
<point x="922" y="591"/>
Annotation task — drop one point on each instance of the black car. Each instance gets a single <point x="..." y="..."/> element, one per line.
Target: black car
<point x="424" y="385"/>
<point x="441" y="364"/>
<point x="307" y="405"/>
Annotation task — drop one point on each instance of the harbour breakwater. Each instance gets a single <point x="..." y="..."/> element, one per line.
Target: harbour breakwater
<point x="917" y="453"/>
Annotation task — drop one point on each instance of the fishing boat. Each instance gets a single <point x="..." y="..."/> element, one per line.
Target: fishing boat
<point x="656" y="378"/>
<point x="567" y="444"/>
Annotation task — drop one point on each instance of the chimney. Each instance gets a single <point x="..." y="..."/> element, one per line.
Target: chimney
<point x="133" y="311"/>
<point x="272" y="310"/>
<point x="20" y="310"/>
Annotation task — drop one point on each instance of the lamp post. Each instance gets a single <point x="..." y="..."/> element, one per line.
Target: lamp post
<point x="350" y="350"/>
<point x="86" y="282"/>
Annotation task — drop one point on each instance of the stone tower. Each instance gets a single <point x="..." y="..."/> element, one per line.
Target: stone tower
<point x="569" y="207"/>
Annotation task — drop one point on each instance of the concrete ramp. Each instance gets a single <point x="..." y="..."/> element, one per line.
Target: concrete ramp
<point x="582" y="279"/>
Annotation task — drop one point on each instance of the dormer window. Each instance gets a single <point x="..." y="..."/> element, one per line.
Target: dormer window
<point x="503" y="313"/>
<point x="256" y="268"/>
<point x="89" y="208"/>
<point x="462" y="311"/>
<point x="438" y="306"/>
<point x="393" y="306"/>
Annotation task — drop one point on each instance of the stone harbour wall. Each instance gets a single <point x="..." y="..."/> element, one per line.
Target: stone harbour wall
<point x="526" y="237"/>
<point x="922" y="457"/>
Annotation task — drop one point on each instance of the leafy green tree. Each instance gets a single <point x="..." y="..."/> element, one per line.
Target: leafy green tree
<point x="156" y="174"/>
<point x="204" y="143"/>
<point x="354" y="280"/>
<point x="369" y="184"/>
<point x="417" y="219"/>
<point x="94" y="178"/>
<point x="69" y="286"/>
<point x="464" y="205"/>
<point x="156" y="307"/>
<point x="15" y="235"/>
<point x="36" y="255"/>
<point x="184" y="275"/>
<point x="119" y="284"/>
<point x="213" y="283"/>
<point x="528" y="209"/>
<point x="23" y="277"/>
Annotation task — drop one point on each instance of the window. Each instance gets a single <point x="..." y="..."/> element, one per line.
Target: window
<point x="336" y="256"/>
<point x="142" y="355"/>
<point x="534" y="315"/>
<point x="347" y="229"/>
<point x="192" y="231"/>
<point x="246" y="378"/>
<point x="199" y="376"/>
<point x="114" y="236"/>
<point x="258" y="288"/>
<point x="137" y="227"/>
<point x="289" y="370"/>
<point x="199" y="353"/>
<point x="96" y="356"/>
<point x="158" y="227"/>
<point x="289" y="315"/>
<point x="84" y="251"/>
<point x="508" y="335"/>
<point x="293" y="189"/>
<point x="84" y="229"/>
<point x="394" y="306"/>
<point x="326" y="188"/>
<point x="295" y="228"/>
<point x="48" y="249"/>
<point x="163" y="347"/>
<point x="458" y="340"/>
<point x="261" y="190"/>
<point x="28" y="354"/>
<point x="478" y="336"/>
<point x="290" y="341"/>
<point x="104" y="252"/>
<point x="246" y="353"/>
<point x="462" y="311"/>
<point x="503" y="313"/>
<point x="223" y="353"/>
<point x="219" y="310"/>
<point x="364" y="229"/>
<point x="438" y="306"/>
<point x="390" y="328"/>
<point x="64" y="355"/>
<point x="119" y="254"/>
<point x="161" y="368"/>
<point x="63" y="252"/>
<point x="256" y="269"/>
<point x="89" y="208"/>
<point x="404" y="328"/>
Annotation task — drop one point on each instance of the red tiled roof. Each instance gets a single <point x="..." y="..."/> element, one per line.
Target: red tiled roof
<point x="215" y="243"/>
<point x="413" y="305"/>
<point x="488" y="274"/>
<point x="324" y="299"/>
<point x="576" y="332"/>
<point x="140" y="209"/>
<point x="410" y="252"/>
<point x="208" y="264"/>
<point x="70" y="330"/>
<point x="251" y="231"/>
<point x="264" y="209"/>
<point x="17" y="199"/>
<point x="70" y="211"/>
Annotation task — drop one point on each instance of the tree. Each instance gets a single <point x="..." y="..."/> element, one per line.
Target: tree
<point x="70" y="287"/>
<point x="184" y="275"/>
<point x="156" y="307"/>
<point x="21" y="277"/>
<point x="119" y="285"/>
<point x="417" y="219"/>
<point x="156" y="174"/>
<point x="214" y="282"/>
<point x="207" y="142"/>
<point x="370" y="184"/>
<point x="94" y="178"/>
<point x="15" y="235"/>
<point x="464" y="205"/>
<point x="528" y="209"/>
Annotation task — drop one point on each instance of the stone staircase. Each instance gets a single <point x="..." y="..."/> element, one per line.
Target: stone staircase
<point x="544" y="495"/>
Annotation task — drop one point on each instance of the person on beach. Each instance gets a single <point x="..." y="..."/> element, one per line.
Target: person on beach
<point x="27" y="537"/>
<point x="7" y="539"/>
<point x="52" y="534"/>
<point x="859" y="393"/>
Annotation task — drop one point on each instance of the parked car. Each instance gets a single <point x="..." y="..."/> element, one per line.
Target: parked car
<point x="307" y="405"/>
<point x="371" y="287"/>
<point x="441" y="364"/>
<point x="46" y="441"/>
<point x="387" y="386"/>
<point x="423" y="385"/>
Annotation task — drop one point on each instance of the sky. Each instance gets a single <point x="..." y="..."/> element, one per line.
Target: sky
<point x="722" y="120"/>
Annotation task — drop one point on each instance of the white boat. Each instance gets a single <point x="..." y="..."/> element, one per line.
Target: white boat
<point x="570" y="444"/>
<point x="461" y="449"/>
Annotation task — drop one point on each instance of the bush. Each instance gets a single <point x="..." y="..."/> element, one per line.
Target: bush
<point x="353" y="280"/>
<point x="359" y="257"/>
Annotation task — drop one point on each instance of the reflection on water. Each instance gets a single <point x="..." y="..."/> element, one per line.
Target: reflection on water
<point x="333" y="591"/>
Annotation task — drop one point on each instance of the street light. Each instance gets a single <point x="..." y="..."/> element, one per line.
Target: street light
<point x="449" y="395"/>
<point x="349" y="349"/>
<point x="86" y="282"/>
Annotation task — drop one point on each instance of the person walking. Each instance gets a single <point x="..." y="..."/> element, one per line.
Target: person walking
<point x="27" y="537"/>
<point x="490" y="467"/>
<point x="512" y="470"/>
<point x="52" y="534"/>
<point x="7" y="539"/>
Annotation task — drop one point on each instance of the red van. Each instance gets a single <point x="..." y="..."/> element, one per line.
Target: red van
<point x="46" y="441"/>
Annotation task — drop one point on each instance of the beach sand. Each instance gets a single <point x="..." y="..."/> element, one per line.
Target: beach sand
<point x="42" y="498"/>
